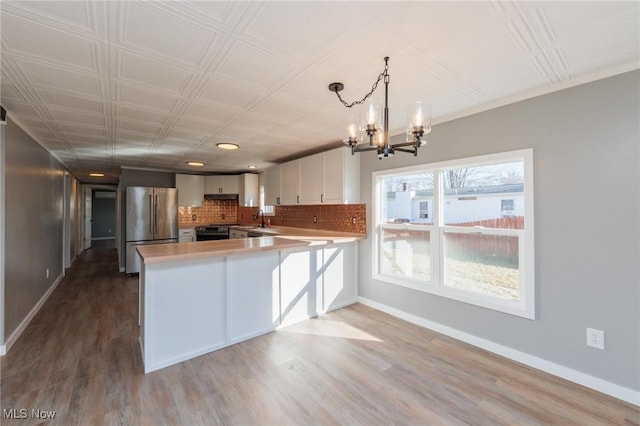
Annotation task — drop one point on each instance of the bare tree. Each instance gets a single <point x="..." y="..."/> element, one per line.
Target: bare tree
<point x="456" y="178"/>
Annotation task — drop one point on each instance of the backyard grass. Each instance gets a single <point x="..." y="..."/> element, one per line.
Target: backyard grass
<point x="495" y="277"/>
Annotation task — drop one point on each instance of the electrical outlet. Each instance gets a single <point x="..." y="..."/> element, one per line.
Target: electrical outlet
<point x="193" y="217"/>
<point x="595" y="338"/>
<point x="315" y="219"/>
<point x="353" y="220"/>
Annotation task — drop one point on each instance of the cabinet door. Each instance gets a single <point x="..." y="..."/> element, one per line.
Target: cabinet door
<point x="221" y="184"/>
<point x="248" y="190"/>
<point x="190" y="190"/>
<point x="290" y="182"/>
<point x="341" y="177"/>
<point x="229" y="184"/>
<point x="187" y="235"/>
<point x="333" y="176"/>
<point x="311" y="179"/>
<point x="300" y="285"/>
<point x="272" y="186"/>
<point x="212" y="185"/>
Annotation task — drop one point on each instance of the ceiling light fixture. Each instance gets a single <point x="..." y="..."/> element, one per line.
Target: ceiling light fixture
<point x="227" y="145"/>
<point x="195" y="163"/>
<point x="374" y="122"/>
<point x="252" y="166"/>
<point x="96" y="174"/>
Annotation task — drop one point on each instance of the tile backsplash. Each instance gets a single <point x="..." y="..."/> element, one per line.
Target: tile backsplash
<point x="334" y="217"/>
<point x="330" y="217"/>
<point x="212" y="211"/>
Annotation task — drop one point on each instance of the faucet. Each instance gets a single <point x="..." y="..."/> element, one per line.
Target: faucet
<point x="260" y="212"/>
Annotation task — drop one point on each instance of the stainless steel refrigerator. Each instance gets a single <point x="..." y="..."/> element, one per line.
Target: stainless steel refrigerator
<point x="152" y="218"/>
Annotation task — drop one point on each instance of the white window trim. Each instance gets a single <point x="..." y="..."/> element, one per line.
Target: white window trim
<point x="525" y="306"/>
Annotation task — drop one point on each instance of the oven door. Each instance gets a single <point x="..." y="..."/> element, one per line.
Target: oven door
<point x="208" y="236"/>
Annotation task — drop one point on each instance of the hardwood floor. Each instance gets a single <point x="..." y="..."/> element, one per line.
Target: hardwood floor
<point x="357" y="366"/>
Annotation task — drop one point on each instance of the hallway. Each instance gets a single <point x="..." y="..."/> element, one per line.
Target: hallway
<point x="80" y="357"/>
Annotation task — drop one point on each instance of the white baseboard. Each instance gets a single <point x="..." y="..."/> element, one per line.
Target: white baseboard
<point x="25" y="322"/>
<point x="625" y="394"/>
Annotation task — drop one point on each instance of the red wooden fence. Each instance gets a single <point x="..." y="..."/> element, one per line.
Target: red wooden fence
<point x="486" y="245"/>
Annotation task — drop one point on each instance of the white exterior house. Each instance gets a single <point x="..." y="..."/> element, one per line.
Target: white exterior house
<point x="462" y="205"/>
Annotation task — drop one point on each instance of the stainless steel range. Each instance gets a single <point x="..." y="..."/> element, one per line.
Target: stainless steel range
<point x="213" y="232"/>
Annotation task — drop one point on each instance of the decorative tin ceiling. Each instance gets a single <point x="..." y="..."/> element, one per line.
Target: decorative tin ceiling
<point x="110" y="84"/>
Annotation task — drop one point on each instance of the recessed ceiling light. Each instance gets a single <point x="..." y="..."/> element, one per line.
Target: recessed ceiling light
<point x="227" y="145"/>
<point x="195" y="163"/>
<point x="96" y="174"/>
<point x="252" y="166"/>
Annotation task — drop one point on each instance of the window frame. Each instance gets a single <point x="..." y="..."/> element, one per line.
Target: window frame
<point x="525" y="306"/>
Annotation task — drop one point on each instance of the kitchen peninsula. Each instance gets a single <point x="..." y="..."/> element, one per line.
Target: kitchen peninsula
<point x="202" y="296"/>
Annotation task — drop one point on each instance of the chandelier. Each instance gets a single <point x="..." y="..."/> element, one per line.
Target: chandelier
<point x="374" y="122"/>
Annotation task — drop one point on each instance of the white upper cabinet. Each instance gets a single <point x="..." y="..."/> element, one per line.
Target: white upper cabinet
<point x="290" y="178"/>
<point x="248" y="190"/>
<point x="331" y="177"/>
<point x="340" y="177"/>
<point x="272" y="186"/>
<point x="221" y="184"/>
<point x="190" y="190"/>
<point x="311" y="179"/>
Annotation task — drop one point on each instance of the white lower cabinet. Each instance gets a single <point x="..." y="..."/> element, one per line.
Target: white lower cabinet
<point x="236" y="233"/>
<point x="300" y="284"/>
<point x="254" y="299"/>
<point x="187" y="235"/>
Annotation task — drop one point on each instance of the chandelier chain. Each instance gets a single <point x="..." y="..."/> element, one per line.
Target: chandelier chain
<point x="384" y="74"/>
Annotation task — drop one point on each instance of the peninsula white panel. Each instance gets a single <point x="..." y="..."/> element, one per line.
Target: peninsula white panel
<point x="184" y="313"/>
<point x="340" y="276"/>
<point x="301" y="284"/>
<point x="254" y="298"/>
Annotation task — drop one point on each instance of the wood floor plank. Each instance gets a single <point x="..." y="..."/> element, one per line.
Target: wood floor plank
<point x="80" y="356"/>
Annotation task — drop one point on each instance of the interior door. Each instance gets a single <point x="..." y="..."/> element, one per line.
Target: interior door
<point x="87" y="217"/>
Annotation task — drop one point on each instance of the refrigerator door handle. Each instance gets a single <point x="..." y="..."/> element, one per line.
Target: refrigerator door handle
<point x="155" y="213"/>
<point x="151" y="214"/>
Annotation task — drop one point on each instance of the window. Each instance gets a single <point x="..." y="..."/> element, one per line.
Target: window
<point x="461" y="229"/>
<point x="424" y="210"/>
<point x="507" y="208"/>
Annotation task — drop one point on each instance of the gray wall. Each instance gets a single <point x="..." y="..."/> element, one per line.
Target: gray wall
<point x="2" y="233"/>
<point x="34" y="185"/>
<point x="587" y="232"/>
<point x="103" y="211"/>
<point x="132" y="177"/>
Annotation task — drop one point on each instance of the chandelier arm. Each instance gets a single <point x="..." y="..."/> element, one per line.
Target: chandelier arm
<point x="413" y="151"/>
<point x="401" y="144"/>
<point x="364" y="148"/>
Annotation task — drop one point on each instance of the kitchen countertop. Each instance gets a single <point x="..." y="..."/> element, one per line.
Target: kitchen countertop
<point x="280" y="237"/>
